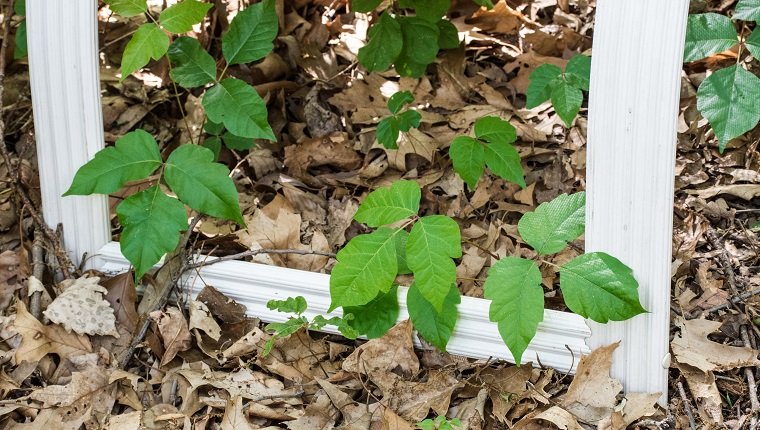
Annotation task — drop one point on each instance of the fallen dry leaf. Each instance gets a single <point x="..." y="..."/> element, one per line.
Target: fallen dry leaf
<point x="201" y="319"/>
<point x="392" y="352"/>
<point x="691" y="346"/>
<point x="221" y="306"/>
<point x="174" y="332"/>
<point x="636" y="406"/>
<point x="414" y="400"/>
<point x="122" y="296"/>
<point x="38" y="340"/>
<point x="234" y="418"/>
<point x="561" y="418"/>
<point x="9" y="265"/>
<point x="592" y="394"/>
<point x="319" y="415"/>
<point x="81" y="308"/>
<point x="703" y="388"/>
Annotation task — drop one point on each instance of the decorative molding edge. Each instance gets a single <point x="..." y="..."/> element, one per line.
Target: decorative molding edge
<point x="559" y="343"/>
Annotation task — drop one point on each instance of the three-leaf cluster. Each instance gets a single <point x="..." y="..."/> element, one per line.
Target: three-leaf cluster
<point x="400" y="119"/>
<point x="728" y="97"/>
<point x="565" y="89"/>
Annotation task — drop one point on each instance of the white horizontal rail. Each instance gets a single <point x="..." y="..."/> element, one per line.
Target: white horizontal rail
<point x="559" y="342"/>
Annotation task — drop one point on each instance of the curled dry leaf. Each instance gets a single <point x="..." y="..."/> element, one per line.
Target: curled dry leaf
<point x="393" y="351"/>
<point x="692" y="347"/>
<point x="38" y="340"/>
<point x="703" y="388"/>
<point x="592" y="394"/>
<point x="414" y="400"/>
<point x="561" y="418"/>
<point x="81" y="308"/>
<point x="221" y="306"/>
<point x="122" y="296"/>
<point x="635" y="407"/>
<point x="201" y="319"/>
<point x="234" y="417"/>
<point x="174" y="332"/>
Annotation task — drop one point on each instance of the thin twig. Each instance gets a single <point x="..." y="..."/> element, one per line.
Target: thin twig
<point x="725" y="262"/>
<point x="252" y="252"/>
<point x="686" y="406"/>
<point x="729" y="303"/>
<point x="38" y="271"/>
<point x="754" y="403"/>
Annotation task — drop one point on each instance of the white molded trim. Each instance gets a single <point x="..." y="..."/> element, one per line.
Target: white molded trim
<point x="559" y="342"/>
<point x="633" y="108"/>
<point x="65" y="80"/>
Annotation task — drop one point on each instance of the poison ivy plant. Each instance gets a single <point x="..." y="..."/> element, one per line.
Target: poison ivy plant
<point x="492" y="147"/>
<point x="441" y="423"/>
<point x="565" y="89"/>
<point x="727" y="98"/>
<point x="401" y="119"/>
<point x="20" y="50"/>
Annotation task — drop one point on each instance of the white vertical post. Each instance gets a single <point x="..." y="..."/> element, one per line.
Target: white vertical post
<point x="65" y="81"/>
<point x="633" y="107"/>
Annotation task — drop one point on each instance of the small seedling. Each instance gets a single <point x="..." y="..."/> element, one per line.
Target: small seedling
<point x="400" y="119"/>
<point x="565" y="89"/>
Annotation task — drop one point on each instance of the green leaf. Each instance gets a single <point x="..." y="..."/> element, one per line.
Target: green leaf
<point x="599" y="287"/>
<point x="448" y="36"/>
<point x="152" y="222"/>
<point x="180" y="17"/>
<point x="149" y="41"/>
<point x="237" y="143"/>
<point x="433" y="242"/>
<point x="495" y="130"/>
<point x="366" y="266"/>
<point x="135" y="156"/>
<point x="238" y="106"/>
<point x="193" y="66"/>
<point x="387" y="132"/>
<point x="420" y="39"/>
<point x="19" y="7"/>
<point x="390" y="204"/>
<point x="343" y="325"/>
<point x="436" y="327"/>
<point x="403" y="267"/>
<point x="408" y="119"/>
<point x="376" y="317"/>
<point x="127" y="8"/>
<point x="364" y="6"/>
<point x="406" y="66"/>
<point x="281" y="330"/>
<point x="429" y="10"/>
<point x="291" y="305"/>
<point x="398" y="100"/>
<point x="251" y="34"/>
<point x="567" y="100"/>
<point x="468" y="158"/>
<point x="504" y="161"/>
<point x="215" y="128"/>
<point x="384" y="45"/>
<point x="578" y="71"/>
<point x="752" y="42"/>
<point x="708" y="34"/>
<point x="21" y="49"/>
<point x="554" y="223"/>
<point x="517" y="301"/>
<point x="201" y="183"/>
<point x="747" y="10"/>
<point x="540" y="88"/>
<point x="214" y="143"/>
<point x="488" y="4"/>
<point x="728" y="99"/>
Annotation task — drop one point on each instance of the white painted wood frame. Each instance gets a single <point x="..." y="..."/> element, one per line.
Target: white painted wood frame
<point x="633" y="107"/>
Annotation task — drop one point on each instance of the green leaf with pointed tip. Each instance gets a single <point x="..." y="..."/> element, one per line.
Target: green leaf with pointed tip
<point x="237" y="143"/>
<point x="553" y="224"/>
<point x="420" y="39"/>
<point x="432" y="243"/>
<point x="504" y="161"/>
<point x="493" y="129"/>
<point x="193" y="66"/>
<point x="364" y="6"/>
<point x="152" y="222"/>
<point x="403" y="267"/>
<point x="468" y="158"/>
<point x="251" y="34"/>
<point x="390" y="204"/>
<point x="728" y="99"/>
<point x="384" y="45"/>
<point x="201" y="183"/>
<point x="517" y="301"/>
<point x="408" y="119"/>
<point x="753" y="43"/>
<point x="708" y="34"/>
<point x="343" y="325"/>
<point x="578" y="71"/>
<point x="377" y="316"/>
<point x="567" y="100"/>
<point x="398" y="100"/>
<point x="448" y="36"/>
<point x="134" y="156"/>
<point x="540" y="88"/>
<point x="21" y="49"/>
<point x="600" y="287"/>
<point x="291" y="305"/>
<point x="281" y="330"/>
<point x="239" y="107"/>
<point x="182" y="16"/>
<point x="127" y="8"/>
<point x="436" y="327"/>
<point x="747" y="10"/>
<point x="366" y="266"/>
<point x="387" y="132"/>
<point x="149" y="41"/>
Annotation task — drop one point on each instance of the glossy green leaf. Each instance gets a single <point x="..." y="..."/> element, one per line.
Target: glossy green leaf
<point x="390" y="204"/>
<point x="504" y="161"/>
<point x="127" y="8"/>
<point x="192" y="65"/>
<point x="149" y="41"/>
<point x="251" y="34"/>
<point x="387" y="132"/>
<point x="292" y="305"/>
<point x="398" y="100"/>
<point x="429" y="10"/>
<point x="408" y="119"/>
<point x="468" y="157"/>
<point x="21" y="49"/>
<point x="495" y="130"/>
<point x="343" y="325"/>
<point x="436" y="327"/>
<point x="237" y="143"/>
<point x="600" y="287"/>
<point x="747" y="10"/>
<point x="708" y="34"/>
<point x="448" y="36"/>
<point x="567" y="100"/>
<point x="540" y="88"/>
<point x="152" y="222"/>
<point x="238" y="106"/>
<point x="182" y="16"/>
<point x="406" y="66"/>
<point x="376" y="317"/>
<point x="201" y="183"/>
<point x="134" y="156"/>
<point x="384" y="46"/>
<point x="365" y="6"/>
<point x="19" y="7"/>
<point x="553" y="224"/>
<point x="578" y="72"/>
<point x="432" y="243"/>
<point x="403" y="267"/>
<point x="366" y="266"/>
<point x="728" y="98"/>
<point x="517" y="301"/>
<point x="420" y="39"/>
<point x="753" y="43"/>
